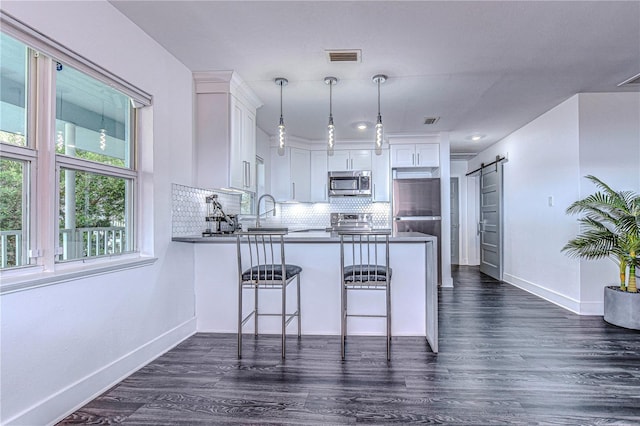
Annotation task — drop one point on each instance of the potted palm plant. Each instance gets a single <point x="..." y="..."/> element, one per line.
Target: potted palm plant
<point x="610" y="228"/>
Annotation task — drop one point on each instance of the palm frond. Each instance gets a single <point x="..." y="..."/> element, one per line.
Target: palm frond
<point x="609" y="226"/>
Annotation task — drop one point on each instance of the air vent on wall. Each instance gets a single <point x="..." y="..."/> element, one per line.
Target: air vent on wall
<point x="344" y="55"/>
<point x="431" y="120"/>
<point x="633" y="80"/>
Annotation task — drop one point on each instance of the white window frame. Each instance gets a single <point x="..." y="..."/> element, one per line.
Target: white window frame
<point x="44" y="165"/>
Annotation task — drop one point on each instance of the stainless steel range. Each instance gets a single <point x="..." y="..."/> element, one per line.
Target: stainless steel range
<point x="351" y="222"/>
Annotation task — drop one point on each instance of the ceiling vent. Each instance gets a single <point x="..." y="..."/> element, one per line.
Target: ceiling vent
<point x="633" y="80"/>
<point x="431" y="120"/>
<point x="353" y="55"/>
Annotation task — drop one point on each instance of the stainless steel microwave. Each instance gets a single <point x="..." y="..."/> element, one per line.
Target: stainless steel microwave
<point x="354" y="183"/>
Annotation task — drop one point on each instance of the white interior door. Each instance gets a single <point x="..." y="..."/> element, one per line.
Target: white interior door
<point x="490" y="225"/>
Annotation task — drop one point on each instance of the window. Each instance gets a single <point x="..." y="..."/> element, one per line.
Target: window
<point x="13" y="206"/>
<point x="13" y="91"/>
<point x="16" y="157"/>
<point x="74" y="141"/>
<point x="94" y="158"/>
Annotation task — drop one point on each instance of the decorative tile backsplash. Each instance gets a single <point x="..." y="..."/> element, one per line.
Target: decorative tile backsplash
<point x="189" y="208"/>
<point x="317" y="215"/>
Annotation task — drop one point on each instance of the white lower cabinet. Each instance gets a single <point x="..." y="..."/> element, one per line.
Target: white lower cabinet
<point x="290" y="175"/>
<point x="319" y="190"/>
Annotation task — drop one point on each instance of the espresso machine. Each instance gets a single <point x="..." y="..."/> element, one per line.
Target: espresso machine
<point x="218" y="222"/>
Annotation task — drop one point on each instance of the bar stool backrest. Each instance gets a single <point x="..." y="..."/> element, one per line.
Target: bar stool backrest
<point x="364" y="258"/>
<point x="261" y="259"/>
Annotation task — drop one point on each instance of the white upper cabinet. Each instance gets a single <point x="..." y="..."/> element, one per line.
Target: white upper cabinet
<point x="319" y="178"/>
<point x="355" y="159"/>
<point x="225" y="131"/>
<point x="300" y="174"/>
<point x="415" y="155"/>
<point x="243" y="147"/>
<point x="290" y="175"/>
<point x="380" y="177"/>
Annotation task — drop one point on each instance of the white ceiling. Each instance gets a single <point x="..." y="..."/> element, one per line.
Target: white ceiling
<point x="483" y="67"/>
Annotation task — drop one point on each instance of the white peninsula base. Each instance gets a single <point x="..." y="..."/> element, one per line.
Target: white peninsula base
<point x="414" y="298"/>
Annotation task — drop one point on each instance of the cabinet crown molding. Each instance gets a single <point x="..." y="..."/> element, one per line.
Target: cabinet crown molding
<point x="225" y="82"/>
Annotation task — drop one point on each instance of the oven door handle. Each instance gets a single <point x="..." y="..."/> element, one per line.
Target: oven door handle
<point x="416" y="218"/>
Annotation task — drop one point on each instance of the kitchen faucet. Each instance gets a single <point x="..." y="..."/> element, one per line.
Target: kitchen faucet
<point x="273" y="200"/>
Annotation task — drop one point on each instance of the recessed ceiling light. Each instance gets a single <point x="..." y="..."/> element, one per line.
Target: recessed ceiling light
<point x="361" y="125"/>
<point x="475" y="137"/>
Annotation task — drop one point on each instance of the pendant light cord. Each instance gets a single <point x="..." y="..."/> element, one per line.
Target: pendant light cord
<point x="379" y="117"/>
<point x="330" y="99"/>
<point x="281" y="101"/>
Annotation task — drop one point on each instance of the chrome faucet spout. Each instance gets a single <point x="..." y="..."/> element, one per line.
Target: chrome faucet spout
<point x="273" y="200"/>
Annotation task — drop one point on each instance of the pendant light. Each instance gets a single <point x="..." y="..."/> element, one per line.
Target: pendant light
<point x="331" y="130"/>
<point x="379" y="78"/>
<point x="282" y="131"/>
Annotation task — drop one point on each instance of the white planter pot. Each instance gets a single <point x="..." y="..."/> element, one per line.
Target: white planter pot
<point x="622" y="308"/>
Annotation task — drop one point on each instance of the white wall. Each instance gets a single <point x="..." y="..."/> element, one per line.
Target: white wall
<point x="609" y="150"/>
<point x="63" y="344"/>
<point x="548" y="158"/>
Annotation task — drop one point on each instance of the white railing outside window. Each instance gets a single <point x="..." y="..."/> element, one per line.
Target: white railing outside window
<point x="76" y="244"/>
<point x="11" y="248"/>
<point x="91" y="242"/>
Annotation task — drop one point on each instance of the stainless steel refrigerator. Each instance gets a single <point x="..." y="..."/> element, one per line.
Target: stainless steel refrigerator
<point x="416" y="208"/>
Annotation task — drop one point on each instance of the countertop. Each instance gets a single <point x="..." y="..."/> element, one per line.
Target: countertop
<point x="312" y="236"/>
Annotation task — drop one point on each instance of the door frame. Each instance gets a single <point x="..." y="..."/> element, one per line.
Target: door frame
<point x="497" y="165"/>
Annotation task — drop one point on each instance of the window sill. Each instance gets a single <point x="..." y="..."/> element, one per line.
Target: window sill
<point x="71" y="272"/>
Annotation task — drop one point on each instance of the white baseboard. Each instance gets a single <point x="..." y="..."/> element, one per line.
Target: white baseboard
<point x="66" y="401"/>
<point x="573" y="305"/>
<point x="447" y="282"/>
<point x="592" y="308"/>
<point x="554" y="297"/>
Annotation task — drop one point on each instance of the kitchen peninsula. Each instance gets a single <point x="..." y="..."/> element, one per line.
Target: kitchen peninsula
<point x="414" y="298"/>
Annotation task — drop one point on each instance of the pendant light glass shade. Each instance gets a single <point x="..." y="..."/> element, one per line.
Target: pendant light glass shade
<point x="331" y="129"/>
<point x="103" y="132"/>
<point x="103" y="139"/>
<point x="379" y="78"/>
<point x="282" y="130"/>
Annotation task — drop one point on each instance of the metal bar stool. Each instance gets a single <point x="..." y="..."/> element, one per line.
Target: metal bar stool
<point x="264" y="267"/>
<point x="364" y="265"/>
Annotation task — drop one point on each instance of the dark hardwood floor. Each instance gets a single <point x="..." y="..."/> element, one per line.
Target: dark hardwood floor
<point x="506" y="357"/>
